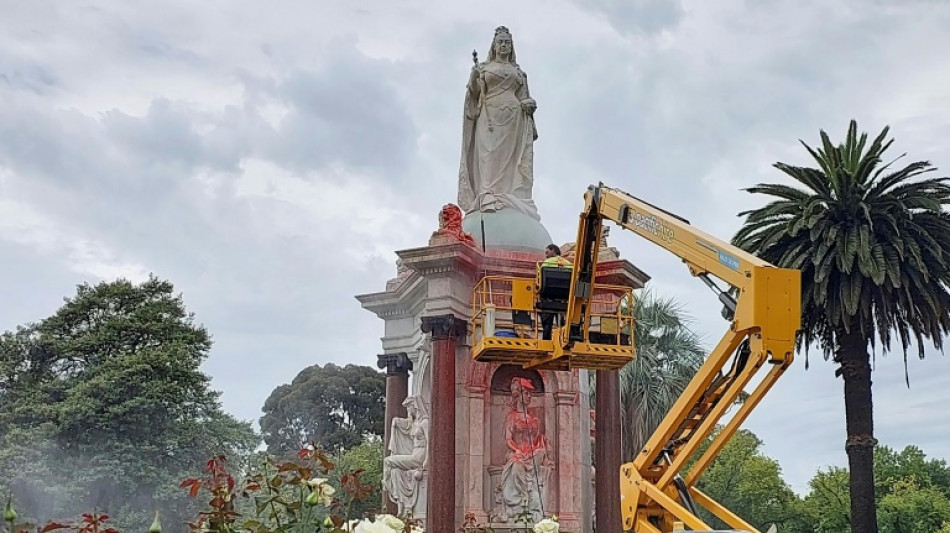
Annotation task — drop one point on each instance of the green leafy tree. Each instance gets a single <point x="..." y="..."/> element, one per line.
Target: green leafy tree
<point x="873" y="245"/>
<point x="911" y="492"/>
<point x="668" y="356"/>
<point x="750" y="484"/>
<point x="827" y="504"/>
<point x="892" y="467"/>
<point x="103" y="405"/>
<point x="367" y="459"/>
<point x="912" y="507"/>
<point x="336" y="407"/>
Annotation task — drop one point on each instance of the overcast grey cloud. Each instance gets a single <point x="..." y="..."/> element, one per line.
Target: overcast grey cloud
<point x="269" y="159"/>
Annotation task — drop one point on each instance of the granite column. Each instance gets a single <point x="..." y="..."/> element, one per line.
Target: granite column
<point x="607" y="452"/>
<point x="397" y="366"/>
<point x="445" y="331"/>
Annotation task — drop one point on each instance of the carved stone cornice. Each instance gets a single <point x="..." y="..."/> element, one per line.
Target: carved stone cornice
<point x="621" y="272"/>
<point x="441" y="260"/>
<point x="395" y="364"/>
<point x="443" y="327"/>
<point x="396" y="304"/>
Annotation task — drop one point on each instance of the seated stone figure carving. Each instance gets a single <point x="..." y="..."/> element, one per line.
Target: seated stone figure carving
<point x="404" y="469"/>
<point x="525" y="477"/>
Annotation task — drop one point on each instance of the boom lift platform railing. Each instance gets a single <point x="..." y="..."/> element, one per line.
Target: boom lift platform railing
<point x="507" y="316"/>
<point x="761" y="302"/>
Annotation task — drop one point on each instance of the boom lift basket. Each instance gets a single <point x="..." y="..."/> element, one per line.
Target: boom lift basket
<point x="508" y="313"/>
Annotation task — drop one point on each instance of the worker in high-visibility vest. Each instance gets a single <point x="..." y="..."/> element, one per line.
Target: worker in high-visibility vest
<point x="626" y="315"/>
<point x="552" y="258"/>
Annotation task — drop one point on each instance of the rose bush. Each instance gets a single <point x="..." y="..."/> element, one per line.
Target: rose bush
<point x="274" y="497"/>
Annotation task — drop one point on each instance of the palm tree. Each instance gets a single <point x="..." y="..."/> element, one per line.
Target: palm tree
<point x="873" y="245"/>
<point x="668" y="355"/>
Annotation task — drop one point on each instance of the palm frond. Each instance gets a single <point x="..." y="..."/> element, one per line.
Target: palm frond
<point x="872" y="242"/>
<point x="668" y="355"/>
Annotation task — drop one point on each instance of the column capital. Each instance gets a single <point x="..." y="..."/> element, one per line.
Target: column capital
<point x="565" y="398"/>
<point x="395" y="364"/>
<point x="444" y="326"/>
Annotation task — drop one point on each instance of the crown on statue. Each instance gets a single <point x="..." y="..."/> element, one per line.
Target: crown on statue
<point x="502" y="30"/>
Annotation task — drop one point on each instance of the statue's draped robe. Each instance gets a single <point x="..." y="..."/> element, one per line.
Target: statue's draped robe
<point x="403" y="469"/>
<point x="526" y="474"/>
<point x="497" y="167"/>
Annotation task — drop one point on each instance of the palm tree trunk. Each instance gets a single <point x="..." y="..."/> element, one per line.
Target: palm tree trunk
<point x="856" y="371"/>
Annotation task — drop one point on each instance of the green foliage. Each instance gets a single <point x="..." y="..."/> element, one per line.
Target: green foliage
<point x="910" y="464"/>
<point x="293" y="496"/>
<point x="278" y="497"/>
<point x="912" y="492"/>
<point x="367" y="459"/>
<point x="106" y="398"/>
<point x="668" y="355"/>
<point x="336" y="407"/>
<point x="911" y="507"/>
<point x="749" y="484"/>
<point x="275" y="496"/>
<point x="827" y="505"/>
<point x="872" y="242"/>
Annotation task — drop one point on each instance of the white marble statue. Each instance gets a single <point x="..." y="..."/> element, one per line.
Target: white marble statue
<point x="404" y="469"/>
<point x="497" y="167"/>
<point x="421" y="362"/>
<point x="526" y="476"/>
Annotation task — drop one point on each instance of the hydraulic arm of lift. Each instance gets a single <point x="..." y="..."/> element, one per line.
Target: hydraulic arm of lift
<point x="762" y="304"/>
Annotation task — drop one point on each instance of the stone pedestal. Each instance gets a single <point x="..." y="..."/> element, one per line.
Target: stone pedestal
<point x="424" y="309"/>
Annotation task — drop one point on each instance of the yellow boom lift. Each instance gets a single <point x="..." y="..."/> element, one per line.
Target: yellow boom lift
<point x="761" y="302"/>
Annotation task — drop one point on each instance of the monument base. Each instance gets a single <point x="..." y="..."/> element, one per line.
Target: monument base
<point x="434" y="284"/>
<point x="507" y="229"/>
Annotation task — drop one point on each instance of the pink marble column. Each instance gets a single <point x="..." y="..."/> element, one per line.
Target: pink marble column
<point x="397" y="366"/>
<point x="445" y="331"/>
<point x="607" y="452"/>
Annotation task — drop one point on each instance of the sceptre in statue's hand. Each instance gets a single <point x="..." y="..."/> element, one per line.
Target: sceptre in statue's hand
<point x="479" y="80"/>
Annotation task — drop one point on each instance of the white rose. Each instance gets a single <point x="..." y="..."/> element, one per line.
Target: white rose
<point x="326" y="492"/>
<point x="391" y="521"/>
<point x="547" y="526"/>
<point x="316" y="482"/>
<point x="365" y="526"/>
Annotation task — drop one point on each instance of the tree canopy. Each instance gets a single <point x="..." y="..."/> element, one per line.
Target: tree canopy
<point x="913" y="494"/>
<point x="103" y="405"/>
<point x="335" y="407"/>
<point x="748" y="483"/>
<point x="873" y="243"/>
<point x="913" y="491"/>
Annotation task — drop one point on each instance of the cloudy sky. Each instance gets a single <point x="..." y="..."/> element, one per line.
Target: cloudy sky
<point x="268" y="158"/>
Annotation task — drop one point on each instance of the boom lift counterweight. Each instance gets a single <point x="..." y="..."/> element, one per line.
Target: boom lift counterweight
<point x="762" y="304"/>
